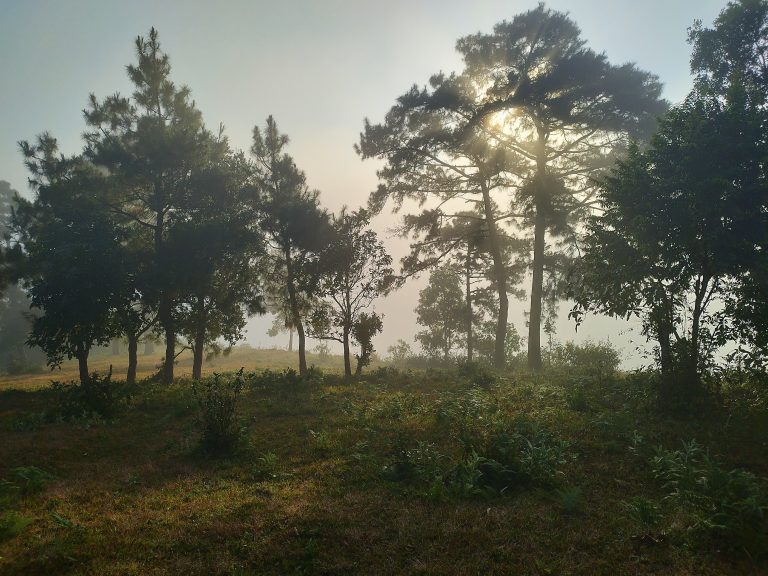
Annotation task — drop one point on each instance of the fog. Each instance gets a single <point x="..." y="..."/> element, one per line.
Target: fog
<point x="320" y="68"/>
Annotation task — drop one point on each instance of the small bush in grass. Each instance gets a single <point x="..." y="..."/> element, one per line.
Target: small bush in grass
<point x="729" y="505"/>
<point x="644" y="511"/>
<point x="12" y="524"/>
<point x="32" y="479"/>
<point x="99" y="397"/>
<point x="571" y="500"/>
<point x="477" y="374"/>
<point x="422" y="463"/>
<point x="217" y="397"/>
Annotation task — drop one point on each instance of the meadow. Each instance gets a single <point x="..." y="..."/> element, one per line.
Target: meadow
<point x="463" y="471"/>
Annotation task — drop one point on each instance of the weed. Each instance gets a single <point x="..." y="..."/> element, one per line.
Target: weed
<point x="730" y="505"/>
<point x="12" y="524"/>
<point x="32" y="479"/>
<point x="571" y="500"/>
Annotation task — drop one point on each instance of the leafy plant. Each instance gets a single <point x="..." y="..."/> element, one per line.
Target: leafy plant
<point x="571" y="500"/>
<point x="730" y="505"/>
<point x="12" y="524"/>
<point x="217" y="398"/>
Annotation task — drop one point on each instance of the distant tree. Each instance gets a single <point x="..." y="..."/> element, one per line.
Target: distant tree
<point x="220" y="244"/>
<point x="434" y="157"/>
<point x="562" y="110"/>
<point x="399" y="351"/>
<point x="295" y="226"/>
<point x="72" y="264"/>
<point x="353" y="270"/>
<point x="441" y="311"/>
<point x="364" y="328"/>
<point x="152" y="144"/>
<point x="673" y="226"/>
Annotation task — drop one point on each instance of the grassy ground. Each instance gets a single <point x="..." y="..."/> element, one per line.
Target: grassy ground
<point x="313" y="487"/>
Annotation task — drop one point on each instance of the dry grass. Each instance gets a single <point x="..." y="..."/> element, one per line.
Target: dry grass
<point x="135" y="496"/>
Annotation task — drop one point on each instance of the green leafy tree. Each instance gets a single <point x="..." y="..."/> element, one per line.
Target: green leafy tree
<point x="152" y="143"/>
<point x="364" y="328"/>
<point x="730" y="61"/>
<point x="295" y="226"/>
<point x="220" y="244"/>
<point x="353" y="270"/>
<point x="441" y="310"/>
<point x="73" y="261"/>
<point x="672" y="224"/>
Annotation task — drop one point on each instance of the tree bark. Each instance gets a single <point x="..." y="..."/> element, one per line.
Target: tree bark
<point x="347" y="354"/>
<point x="82" y="364"/>
<point x="133" y="345"/>
<point x="500" y="278"/>
<point x="537" y="290"/>
<point x="539" y="233"/>
<point x="199" y="343"/>
<point x="290" y="339"/>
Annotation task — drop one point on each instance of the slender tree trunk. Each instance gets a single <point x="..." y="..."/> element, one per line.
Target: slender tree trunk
<point x="298" y="324"/>
<point x="170" y="353"/>
<point x="347" y="354"/>
<point x="82" y="364"/>
<point x="468" y="279"/>
<point x="165" y="306"/>
<point x="290" y="339"/>
<point x="133" y="345"/>
<point x="537" y="290"/>
<point x="499" y="277"/>
<point x="116" y="347"/>
<point x="198" y="346"/>
<point x="149" y="347"/>
<point x="539" y="233"/>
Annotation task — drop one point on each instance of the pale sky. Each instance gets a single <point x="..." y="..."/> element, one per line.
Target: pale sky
<point x="320" y="67"/>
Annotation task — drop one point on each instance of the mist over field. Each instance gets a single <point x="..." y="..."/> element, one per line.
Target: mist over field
<point x="415" y="287"/>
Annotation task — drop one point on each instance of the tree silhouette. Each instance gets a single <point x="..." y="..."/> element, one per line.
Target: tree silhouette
<point x="152" y="143"/>
<point x="296" y="228"/>
<point x="562" y="110"/>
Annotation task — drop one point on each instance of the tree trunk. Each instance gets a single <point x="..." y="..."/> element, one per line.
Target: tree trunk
<point x="290" y="339"/>
<point x="115" y="347"/>
<point x="199" y="343"/>
<point x="500" y="279"/>
<point x="149" y="347"/>
<point x="133" y="345"/>
<point x="347" y="354"/>
<point x="539" y="233"/>
<point x="293" y="300"/>
<point x="82" y="364"/>
<point x="170" y="353"/>
<point x="468" y="273"/>
<point x="537" y="290"/>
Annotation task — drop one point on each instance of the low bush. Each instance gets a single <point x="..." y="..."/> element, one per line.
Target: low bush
<point x="728" y="505"/>
<point x="98" y="397"/>
<point x="217" y="398"/>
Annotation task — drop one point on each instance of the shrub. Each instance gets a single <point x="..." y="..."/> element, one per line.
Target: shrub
<point x="730" y="505"/>
<point x="217" y="398"/>
<point x="477" y="374"/>
<point x="98" y="397"/>
<point x="12" y="524"/>
<point x="599" y="361"/>
<point x="32" y="479"/>
<point x="571" y="500"/>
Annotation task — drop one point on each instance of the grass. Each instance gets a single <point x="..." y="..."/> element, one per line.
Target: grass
<point x="308" y="490"/>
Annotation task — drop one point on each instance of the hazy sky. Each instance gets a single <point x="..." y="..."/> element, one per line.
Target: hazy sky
<point x="320" y="67"/>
